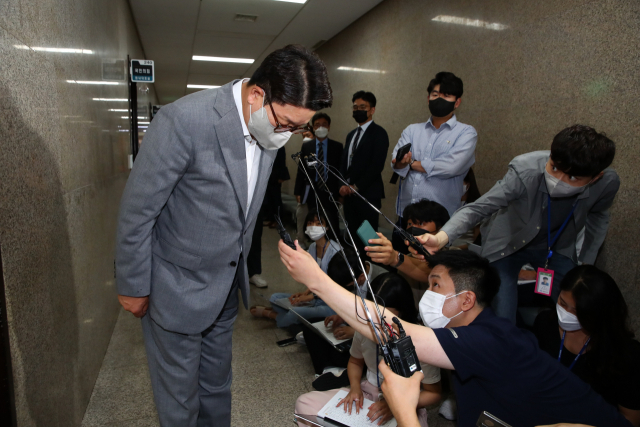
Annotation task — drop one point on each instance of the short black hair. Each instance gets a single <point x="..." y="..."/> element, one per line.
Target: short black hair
<point x="425" y="211"/>
<point x="317" y="116"/>
<point x="450" y="84"/>
<point x="393" y="291"/>
<point x="469" y="272"/>
<point x="581" y="151"/>
<point x="365" y="96"/>
<point x="295" y="76"/>
<point x="338" y="270"/>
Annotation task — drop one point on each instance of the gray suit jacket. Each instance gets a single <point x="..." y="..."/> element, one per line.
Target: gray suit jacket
<point x="183" y="225"/>
<point x="515" y="205"/>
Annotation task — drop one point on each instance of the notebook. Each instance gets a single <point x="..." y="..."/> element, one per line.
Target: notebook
<point x="324" y="332"/>
<point x="336" y="413"/>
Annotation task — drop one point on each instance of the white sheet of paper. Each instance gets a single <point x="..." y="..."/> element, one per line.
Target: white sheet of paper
<point x="338" y="414"/>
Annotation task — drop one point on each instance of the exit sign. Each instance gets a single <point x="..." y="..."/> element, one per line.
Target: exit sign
<point x="142" y="71"/>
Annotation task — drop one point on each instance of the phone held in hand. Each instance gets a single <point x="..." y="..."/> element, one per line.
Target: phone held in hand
<point x="366" y="232"/>
<point x="402" y="151"/>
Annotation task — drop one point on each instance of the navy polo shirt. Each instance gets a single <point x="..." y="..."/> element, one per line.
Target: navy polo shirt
<point x="500" y="369"/>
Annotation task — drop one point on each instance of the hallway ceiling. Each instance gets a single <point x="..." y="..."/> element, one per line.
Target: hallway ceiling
<point x="173" y="31"/>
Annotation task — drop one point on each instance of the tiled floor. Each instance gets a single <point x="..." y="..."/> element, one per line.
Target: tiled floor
<point x="267" y="379"/>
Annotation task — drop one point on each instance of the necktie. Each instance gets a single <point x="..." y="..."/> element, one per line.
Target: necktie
<point x="320" y="156"/>
<point x="355" y="145"/>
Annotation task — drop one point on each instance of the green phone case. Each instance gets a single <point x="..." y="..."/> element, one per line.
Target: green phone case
<point x="366" y="232"/>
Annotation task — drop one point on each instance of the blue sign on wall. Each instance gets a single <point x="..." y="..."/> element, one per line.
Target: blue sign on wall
<point x="142" y="71"/>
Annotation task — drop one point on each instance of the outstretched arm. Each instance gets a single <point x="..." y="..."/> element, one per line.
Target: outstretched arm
<point x="304" y="269"/>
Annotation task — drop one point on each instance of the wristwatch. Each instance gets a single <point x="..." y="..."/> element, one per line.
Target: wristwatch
<point x="411" y="164"/>
<point x="400" y="260"/>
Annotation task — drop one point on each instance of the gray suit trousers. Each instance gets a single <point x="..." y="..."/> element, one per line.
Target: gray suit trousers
<point x="191" y="373"/>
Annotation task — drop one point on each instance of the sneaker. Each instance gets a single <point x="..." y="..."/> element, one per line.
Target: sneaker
<point x="300" y="338"/>
<point x="329" y="381"/>
<point x="448" y="408"/>
<point x="257" y="280"/>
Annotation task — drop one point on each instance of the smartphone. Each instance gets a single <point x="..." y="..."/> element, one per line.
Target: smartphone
<point x="366" y="232"/>
<point x="402" y="151"/>
<point x="288" y="341"/>
<point x="488" y="420"/>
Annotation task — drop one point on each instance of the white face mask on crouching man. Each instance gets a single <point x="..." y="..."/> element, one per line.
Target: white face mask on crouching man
<point x="431" y="306"/>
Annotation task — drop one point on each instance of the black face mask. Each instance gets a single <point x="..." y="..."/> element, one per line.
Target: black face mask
<point x="440" y="107"/>
<point x="360" y="116"/>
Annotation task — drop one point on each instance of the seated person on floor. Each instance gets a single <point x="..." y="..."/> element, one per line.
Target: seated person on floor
<point x="427" y="215"/>
<point x="323" y="355"/>
<point x="589" y="333"/>
<point x="322" y="250"/>
<point x="498" y="367"/>
<point x="397" y="296"/>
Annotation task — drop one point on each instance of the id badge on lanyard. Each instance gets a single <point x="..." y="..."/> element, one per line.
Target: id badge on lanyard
<point x="544" y="279"/>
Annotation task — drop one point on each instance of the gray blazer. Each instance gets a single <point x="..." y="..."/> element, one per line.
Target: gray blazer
<point x="517" y="202"/>
<point x="183" y="225"/>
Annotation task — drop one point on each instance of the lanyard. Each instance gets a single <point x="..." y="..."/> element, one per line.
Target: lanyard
<point x="581" y="350"/>
<point x="551" y="242"/>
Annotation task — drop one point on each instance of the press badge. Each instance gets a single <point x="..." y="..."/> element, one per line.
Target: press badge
<point x="544" y="282"/>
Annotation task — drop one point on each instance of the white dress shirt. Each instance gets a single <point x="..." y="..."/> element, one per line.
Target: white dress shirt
<point x="253" y="152"/>
<point x="364" y="129"/>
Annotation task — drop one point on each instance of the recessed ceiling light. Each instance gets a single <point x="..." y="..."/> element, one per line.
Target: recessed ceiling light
<point x="202" y="87"/>
<point x="221" y="59"/>
<point x="294" y="1"/>
<point x="87" y="82"/>
<point x="121" y="110"/>
<point x="111" y="99"/>
<point x="144" y="123"/>
<point x="245" y="18"/>
<point x="470" y="22"/>
<point x="362" y="70"/>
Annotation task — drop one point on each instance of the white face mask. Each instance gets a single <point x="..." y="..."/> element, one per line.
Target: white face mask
<point x="263" y="131"/>
<point x="558" y="188"/>
<point x="465" y="188"/>
<point x="315" y="232"/>
<point x="322" y="132"/>
<point x="567" y="321"/>
<point x="306" y="139"/>
<point x="430" y="308"/>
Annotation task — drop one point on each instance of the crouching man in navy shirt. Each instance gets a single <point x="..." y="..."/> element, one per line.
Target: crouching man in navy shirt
<point x="498" y="368"/>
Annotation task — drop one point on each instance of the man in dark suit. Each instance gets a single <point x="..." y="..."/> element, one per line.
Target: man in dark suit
<point x="363" y="160"/>
<point x="330" y="152"/>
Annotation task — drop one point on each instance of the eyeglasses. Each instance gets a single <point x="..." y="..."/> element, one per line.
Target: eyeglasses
<point x="293" y="129"/>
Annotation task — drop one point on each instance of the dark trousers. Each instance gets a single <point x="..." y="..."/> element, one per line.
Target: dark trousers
<point x="272" y="201"/>
<point x="254" y="261"/>
<point x="356" y="211"/>
<point x="322" y="354"/>
<point x="191" y="373"/>
<point x="507" y="300"/>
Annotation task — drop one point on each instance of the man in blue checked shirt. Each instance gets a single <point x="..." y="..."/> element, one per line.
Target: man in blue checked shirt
<point x="442" y="150"/>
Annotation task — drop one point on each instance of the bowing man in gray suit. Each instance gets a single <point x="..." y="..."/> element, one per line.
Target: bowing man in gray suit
<point x="186" y="220"/>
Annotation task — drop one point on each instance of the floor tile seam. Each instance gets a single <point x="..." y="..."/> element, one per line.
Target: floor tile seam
<point x="95" y="183"/>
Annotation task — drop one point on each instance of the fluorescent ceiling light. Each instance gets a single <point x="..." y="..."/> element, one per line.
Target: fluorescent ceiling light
<point x="294" y="1"/>
<point x="362" y="70"/>
<point x="470" y="22"/>
<point x="111" y="99"/>
<point x="220" y="59"/>
<point x="144" y="123"/>
<point x="139" y="118"/>
<point x="55" y="49"/>
<point x="87" y="82"/>
<point x="121" y="110"/>
<point x="201" y="87"/>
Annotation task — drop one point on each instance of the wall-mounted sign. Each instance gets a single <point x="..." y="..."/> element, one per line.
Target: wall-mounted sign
<point x="113" y="69"/>
<point x="142" y="71"/>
